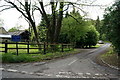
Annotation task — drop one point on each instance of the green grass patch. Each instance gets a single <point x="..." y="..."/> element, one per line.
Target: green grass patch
<point x="10" y="58"/>
<point x="111" y="58"/>
<point x="107" y="41"/>
<point x="30" y="50"/>
<point x="109" y="53"/>
<point x="97" y="46"/>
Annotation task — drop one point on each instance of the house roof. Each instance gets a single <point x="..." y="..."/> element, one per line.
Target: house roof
<point x="3" y="31"/>
<point x="16" y="32"/>
<point x="5" y="36"/>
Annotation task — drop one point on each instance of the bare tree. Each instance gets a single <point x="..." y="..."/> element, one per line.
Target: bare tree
<point x="26" y="9"/>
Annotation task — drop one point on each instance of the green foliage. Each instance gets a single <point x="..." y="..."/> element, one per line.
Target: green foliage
<point x="90" y="39"/>
<point x="41" y="29"/>
<point x="13" y="58"/>
<point x="78" y="30"/>
<point x="10" y="58"/>
<point x="103" y="36"/>
<point x="42" y="33"/>
<point x="98" y="25"/>
<point x="72" y="29"/>
<point x="111" y="25"/>
<point x="14" y="29"/>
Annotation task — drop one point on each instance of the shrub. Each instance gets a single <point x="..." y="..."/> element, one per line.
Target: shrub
<point x="90" y="39"/>
<point x="8" y="57"/>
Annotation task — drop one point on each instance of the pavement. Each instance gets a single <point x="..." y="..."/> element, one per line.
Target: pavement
<point x="81" y="65"/>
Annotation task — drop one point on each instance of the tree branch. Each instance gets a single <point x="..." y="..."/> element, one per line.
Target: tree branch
<point x="21" y="3"/>
<point x="66" y="8"/>
<point x="6" y="8"/>
<point x="37" y="8"/>
<point x="86" y="4"/>
<point x="33" y="14"/>
<point x="79" y="9"/>
<point x="74" y="18"/>
<point x="15" y="6"/>
<point x="5" y="5"/>
<point x="44" y="13"/>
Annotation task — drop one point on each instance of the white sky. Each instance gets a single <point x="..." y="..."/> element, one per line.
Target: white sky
<point x="11" y="17"/>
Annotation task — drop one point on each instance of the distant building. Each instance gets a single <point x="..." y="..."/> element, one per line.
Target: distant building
<point x="24" y="34"/>
<point x="4" y="35"/>
<point x="3" y="31"/>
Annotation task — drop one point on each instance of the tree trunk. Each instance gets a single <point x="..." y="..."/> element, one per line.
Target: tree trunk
<point x="54" y="24"/>
<point x="58" y="23"/>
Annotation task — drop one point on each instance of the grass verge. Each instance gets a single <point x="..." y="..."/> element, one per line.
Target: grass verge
<point x="10" y="58"/>
<point x="111" y="58"/>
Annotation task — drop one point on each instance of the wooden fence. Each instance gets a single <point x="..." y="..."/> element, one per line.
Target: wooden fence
<point x="44" y="46"/>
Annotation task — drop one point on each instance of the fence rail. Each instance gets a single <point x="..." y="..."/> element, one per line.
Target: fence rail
<point x="43" y="46"/>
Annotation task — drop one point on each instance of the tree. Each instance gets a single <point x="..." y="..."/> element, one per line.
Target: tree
<point x="73" y="28"/>
<point x="92" y="37"/>
<point x="80" y="31"/>
<point x="53" y="24"/>
<point x="111" y="25"/>
<point x="13" y="29"/>
<point x="98" y="25"/>
<point x="26" y="9"/>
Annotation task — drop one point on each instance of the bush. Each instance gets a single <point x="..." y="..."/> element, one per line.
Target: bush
<point x="90" y="39"/>
<point x="8" y="57"/>
<point x="82" y="32"/>
<point x="63" y="38"/>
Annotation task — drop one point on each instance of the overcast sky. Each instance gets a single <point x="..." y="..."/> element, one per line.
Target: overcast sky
<point x="11" y="17"/>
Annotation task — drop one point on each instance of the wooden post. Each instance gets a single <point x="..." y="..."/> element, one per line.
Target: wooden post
<point x="17" y="48"/>
<point x="28" y="47"/>
<point x="62" y="48"/>
<point x="69" y="46"/>
<point x="6" y="45"/>
<point x="44" y="48"/>
<point x="73" y="46"/>
<point x="47" y="45"/>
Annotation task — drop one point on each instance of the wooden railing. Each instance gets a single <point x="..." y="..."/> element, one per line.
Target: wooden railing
<point x="43" y="46"/>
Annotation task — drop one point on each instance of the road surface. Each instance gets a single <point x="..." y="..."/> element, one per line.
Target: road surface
<point x="82" y="65"/>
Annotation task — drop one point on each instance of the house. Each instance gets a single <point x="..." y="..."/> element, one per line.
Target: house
<point x="4" y="35"/>
<point x="24" y="34"/>
<point x="3" y="31"/>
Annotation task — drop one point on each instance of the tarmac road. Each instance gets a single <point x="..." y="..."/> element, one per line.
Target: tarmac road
<point x="82" y="65"/>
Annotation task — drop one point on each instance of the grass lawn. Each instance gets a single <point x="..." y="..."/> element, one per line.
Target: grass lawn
<point x="25" y="50"/>
<point x="19" y="46"/>
<point x="11" y="56"/>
